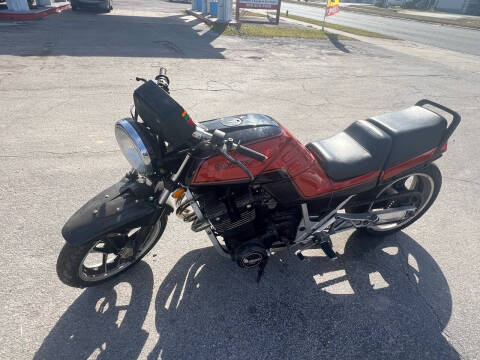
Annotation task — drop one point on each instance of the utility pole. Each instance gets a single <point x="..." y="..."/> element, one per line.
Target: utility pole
<point x="324" y="15"/>
<point x="237" y="10"/>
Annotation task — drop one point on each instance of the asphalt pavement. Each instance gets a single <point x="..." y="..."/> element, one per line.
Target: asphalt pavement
<point x="442" y="36"/>
<point x="66" y="79"/>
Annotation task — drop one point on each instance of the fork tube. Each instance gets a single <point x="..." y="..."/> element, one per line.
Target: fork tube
<point x="166" y="192"/>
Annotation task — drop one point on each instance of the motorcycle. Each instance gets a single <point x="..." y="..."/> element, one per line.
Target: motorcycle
<point x="249" y="184"/>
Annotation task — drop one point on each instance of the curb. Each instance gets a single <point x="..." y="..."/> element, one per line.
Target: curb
<point x="33" y="15"/>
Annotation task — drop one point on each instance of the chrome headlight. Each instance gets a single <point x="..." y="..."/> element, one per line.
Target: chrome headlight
<point x="134" y="146"/>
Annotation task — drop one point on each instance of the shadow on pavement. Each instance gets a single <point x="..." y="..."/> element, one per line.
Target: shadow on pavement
<point x="90" y="33"/>
<point x="384" y="298"/>
<point x="337" y="43"/>
<point x="208" y="308"/>
<point x="99" y="323"/>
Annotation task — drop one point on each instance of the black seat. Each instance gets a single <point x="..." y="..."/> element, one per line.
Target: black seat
<point x="414" y="131"/>
<point x="358" y="150"/>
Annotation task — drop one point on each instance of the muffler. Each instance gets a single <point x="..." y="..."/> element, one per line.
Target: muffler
<point x="393" y="215"/>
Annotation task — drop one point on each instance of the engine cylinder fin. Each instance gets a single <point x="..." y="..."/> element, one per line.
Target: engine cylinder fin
<point x="226" y="224"/>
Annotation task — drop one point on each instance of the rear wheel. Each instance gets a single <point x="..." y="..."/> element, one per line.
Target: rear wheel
<point x="424" y="185"/>
<point x="101" y="259"/>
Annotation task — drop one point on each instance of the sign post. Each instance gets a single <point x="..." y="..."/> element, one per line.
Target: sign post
<point x="331" y="8"/>
<point x="277" y="18"/>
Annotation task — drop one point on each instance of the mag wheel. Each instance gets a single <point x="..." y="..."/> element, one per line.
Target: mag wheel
<point x="419" y="188"/>
<point x="425" y="184"/>
<point x="103" y="258"/>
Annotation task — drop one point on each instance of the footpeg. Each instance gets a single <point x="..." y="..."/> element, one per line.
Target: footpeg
<point x="326" y="245"/>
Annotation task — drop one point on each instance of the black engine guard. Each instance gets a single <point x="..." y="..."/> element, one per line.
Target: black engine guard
<point x="124" y="204"/>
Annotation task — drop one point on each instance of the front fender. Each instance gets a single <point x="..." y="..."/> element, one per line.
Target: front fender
<point x="124" y="204"/>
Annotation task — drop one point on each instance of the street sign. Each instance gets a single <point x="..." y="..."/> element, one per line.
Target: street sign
<point x="258" y="4"/>
<point x="332" y="7"/>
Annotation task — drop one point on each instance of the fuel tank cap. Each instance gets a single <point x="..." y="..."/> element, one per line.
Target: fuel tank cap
<point x="231" y="121"/>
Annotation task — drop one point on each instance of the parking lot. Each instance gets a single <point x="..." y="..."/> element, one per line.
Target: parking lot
<point x="66" y="79"/>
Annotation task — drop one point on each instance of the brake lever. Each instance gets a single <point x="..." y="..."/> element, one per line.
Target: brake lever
<point x="224" y="151"/>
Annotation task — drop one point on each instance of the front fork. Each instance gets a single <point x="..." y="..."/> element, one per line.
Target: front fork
<point x="169" y="186"/>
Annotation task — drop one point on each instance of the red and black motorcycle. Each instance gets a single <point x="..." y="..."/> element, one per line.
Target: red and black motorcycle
<point x="251" y="186"/>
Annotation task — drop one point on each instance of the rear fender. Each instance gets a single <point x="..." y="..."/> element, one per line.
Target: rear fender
<point x="124" y="204"/>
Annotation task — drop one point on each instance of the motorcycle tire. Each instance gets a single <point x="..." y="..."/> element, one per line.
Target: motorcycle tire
<point x="431" y="172"/>
<point x="70" y="262"/>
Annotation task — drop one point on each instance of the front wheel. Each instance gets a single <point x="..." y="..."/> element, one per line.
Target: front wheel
<point x="103" y="258"/>
<point x="424" y="184"/>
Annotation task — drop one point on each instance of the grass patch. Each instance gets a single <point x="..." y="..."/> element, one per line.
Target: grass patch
<point x="348" y="29"/>
<point x="269" y="31"/>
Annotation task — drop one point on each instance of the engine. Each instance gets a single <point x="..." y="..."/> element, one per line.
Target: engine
<point x="249" y="220"/>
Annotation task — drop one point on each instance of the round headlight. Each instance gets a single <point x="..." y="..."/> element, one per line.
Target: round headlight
<point x="133" y="146"/>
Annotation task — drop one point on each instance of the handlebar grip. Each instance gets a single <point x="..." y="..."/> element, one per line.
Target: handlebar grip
<point x="162" y="71"/>
<point x="251" y="153"/>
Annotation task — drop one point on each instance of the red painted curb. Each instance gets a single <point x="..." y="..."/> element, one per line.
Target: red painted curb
<point x="33" y="15"/>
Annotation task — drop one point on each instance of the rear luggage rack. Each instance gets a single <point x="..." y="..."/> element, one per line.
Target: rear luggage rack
<point x="451" y="128"/>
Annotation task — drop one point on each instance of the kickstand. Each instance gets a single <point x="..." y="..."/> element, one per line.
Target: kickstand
<point x="261" y="269"/>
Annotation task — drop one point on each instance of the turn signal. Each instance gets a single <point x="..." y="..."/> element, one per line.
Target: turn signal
<point x="178" y="193"/>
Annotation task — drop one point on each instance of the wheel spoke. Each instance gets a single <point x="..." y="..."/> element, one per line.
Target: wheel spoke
<point x="99" y="250"/>
<point x="104" y="262"/>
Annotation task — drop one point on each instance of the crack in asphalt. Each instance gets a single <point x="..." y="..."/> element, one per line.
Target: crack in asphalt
<point x="462" y="180"/>
<point x="32" y="154"/>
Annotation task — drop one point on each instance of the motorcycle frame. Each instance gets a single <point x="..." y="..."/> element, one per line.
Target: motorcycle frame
<point x="308" y="229"/>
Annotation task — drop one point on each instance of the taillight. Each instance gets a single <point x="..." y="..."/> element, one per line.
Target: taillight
<point x="444" y="147"/>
